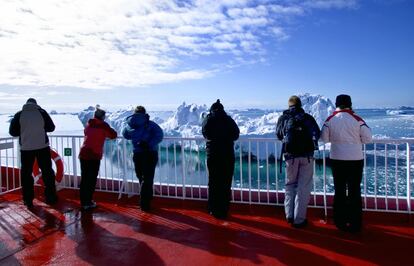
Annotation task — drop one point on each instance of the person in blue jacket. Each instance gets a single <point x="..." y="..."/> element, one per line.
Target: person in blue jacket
<point x="145" y="136"/>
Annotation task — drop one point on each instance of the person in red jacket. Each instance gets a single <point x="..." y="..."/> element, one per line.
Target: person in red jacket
<point x="90" y="155"/>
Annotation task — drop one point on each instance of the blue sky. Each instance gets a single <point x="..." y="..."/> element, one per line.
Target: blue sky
<point x="250" y="54"/>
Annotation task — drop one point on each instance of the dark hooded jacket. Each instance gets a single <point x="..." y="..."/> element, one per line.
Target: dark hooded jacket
<point x="220" y="131"/>
<point x="141" y="130"/>
<point x="96" y="131"/>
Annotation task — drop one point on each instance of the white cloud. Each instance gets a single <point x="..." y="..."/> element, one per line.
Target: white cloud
<point x="327" y="4"/>
<point x="103" y="44"/>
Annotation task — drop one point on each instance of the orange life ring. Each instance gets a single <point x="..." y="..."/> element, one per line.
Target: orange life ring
<point x="59" y="168"/>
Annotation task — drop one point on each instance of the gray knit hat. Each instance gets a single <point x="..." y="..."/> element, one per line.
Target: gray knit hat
<point x="99" y="113"/>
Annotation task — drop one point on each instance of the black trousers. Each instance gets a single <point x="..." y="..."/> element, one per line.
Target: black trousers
<point x="145" y="163"/>
<point x="89" y="174"/>
<point x="347" y="206"/>
<point x="220" y="176"/>
<point x="48" y="175"/>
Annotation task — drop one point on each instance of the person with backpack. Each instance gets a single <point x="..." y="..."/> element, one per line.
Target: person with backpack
<point x="346" y="132"/>
<point x="31" y="125"/>
<point x="145" y="135"/>
<point x="299" y="134"/>
<point x="220" y="131"/>
<point x="90" y="155"/>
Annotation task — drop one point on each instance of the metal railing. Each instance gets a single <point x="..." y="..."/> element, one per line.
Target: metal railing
<point x="258" y="178"/>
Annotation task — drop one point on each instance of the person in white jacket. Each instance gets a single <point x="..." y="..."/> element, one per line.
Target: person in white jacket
<point x="346" y="132"/>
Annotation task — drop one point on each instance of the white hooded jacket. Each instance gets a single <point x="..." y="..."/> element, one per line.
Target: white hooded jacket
<point x="346" y="132"/>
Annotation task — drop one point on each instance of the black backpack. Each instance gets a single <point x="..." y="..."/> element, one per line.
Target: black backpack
<point x="300" y="135"/>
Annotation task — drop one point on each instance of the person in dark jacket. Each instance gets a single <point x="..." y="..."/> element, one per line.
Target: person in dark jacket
<point x="90" y="155"/>
<point x="31" y="125"/>
<point x="299" y="134"/>
<point x="220" y="131"/>
<point x="145" y="135"/>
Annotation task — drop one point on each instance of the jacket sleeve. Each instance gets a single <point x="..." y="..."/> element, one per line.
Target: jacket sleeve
<point x="280" y="128"/>
<point x="366" y="134"/>
<point x="126" y="131"/>
<point x="156" y="135"/>
<point x="315" y="128"/>
<point x="14" y="128"/>
<point x="325" y="132"/>
<point x="205" y="128"/>
<point x="235" y="129"/>
<point x="49" y="125"/>
<point x="110" y="132"/>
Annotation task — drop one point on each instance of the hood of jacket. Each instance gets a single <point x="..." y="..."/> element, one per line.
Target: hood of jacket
<point x="137" y="120"/>
<point x="218" y="113"/>
<point x="95" y="122"/>
<point x="30" y="107"/>
<point x="293" y="110"/>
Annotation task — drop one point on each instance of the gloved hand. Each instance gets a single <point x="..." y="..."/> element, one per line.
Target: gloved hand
<point x="143" y="145"/>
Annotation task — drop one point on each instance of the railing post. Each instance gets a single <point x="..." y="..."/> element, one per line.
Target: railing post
<point x="324" y="183"/>
<point x="249" y="167"/>
<point x="408" y="179"/>
<point x="74" y="161"/>
<point x="125" y="178"/>
<point x="184" y="172"/>
<point x="365" y="175"/>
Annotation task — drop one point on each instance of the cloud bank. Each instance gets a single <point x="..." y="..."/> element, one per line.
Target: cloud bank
<point x="120" y="43"/>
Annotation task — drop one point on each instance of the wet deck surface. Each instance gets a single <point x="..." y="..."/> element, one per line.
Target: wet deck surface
<point x="180" y="232"/>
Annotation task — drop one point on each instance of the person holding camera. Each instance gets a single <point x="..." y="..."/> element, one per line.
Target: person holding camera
<point x="145" y="136"/>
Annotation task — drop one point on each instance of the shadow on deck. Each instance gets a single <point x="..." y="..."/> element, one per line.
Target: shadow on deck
<point x="180" y="232"/>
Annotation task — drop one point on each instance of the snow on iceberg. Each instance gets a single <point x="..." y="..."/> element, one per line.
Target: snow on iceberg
<point x="86" y="114"/>
<point x="318" y="106"/>
<point x="186" y="121"/>
<point x="264" y="126"/>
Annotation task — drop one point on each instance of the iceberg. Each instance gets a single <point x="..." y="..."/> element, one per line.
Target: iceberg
<point x="186" y="120"/>
<point x="395" y="112"/>
<point x="86" y="114"/>
<point x="318" y="106"/>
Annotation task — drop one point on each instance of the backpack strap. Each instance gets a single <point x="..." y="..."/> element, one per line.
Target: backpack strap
<point x="281" y="157"/>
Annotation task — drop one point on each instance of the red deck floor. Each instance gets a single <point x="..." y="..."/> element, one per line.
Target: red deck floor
<point x="180" y="232"/>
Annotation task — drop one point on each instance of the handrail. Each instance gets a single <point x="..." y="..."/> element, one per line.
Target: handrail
<point x="182" y="171"/>
<point x="246" y="138"/>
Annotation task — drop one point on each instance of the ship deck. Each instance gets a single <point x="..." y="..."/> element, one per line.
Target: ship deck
<point x="181" y="232"/>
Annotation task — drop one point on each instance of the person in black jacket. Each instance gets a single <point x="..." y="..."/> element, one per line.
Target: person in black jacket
<point x="31" y="125"/>
<point x="220" y="131"/>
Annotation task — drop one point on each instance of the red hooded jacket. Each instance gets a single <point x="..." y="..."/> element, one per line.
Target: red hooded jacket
<point x="96" y="131"/>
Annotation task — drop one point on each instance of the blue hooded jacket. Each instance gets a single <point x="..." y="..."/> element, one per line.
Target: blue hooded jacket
<point x="140" y="129"/>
